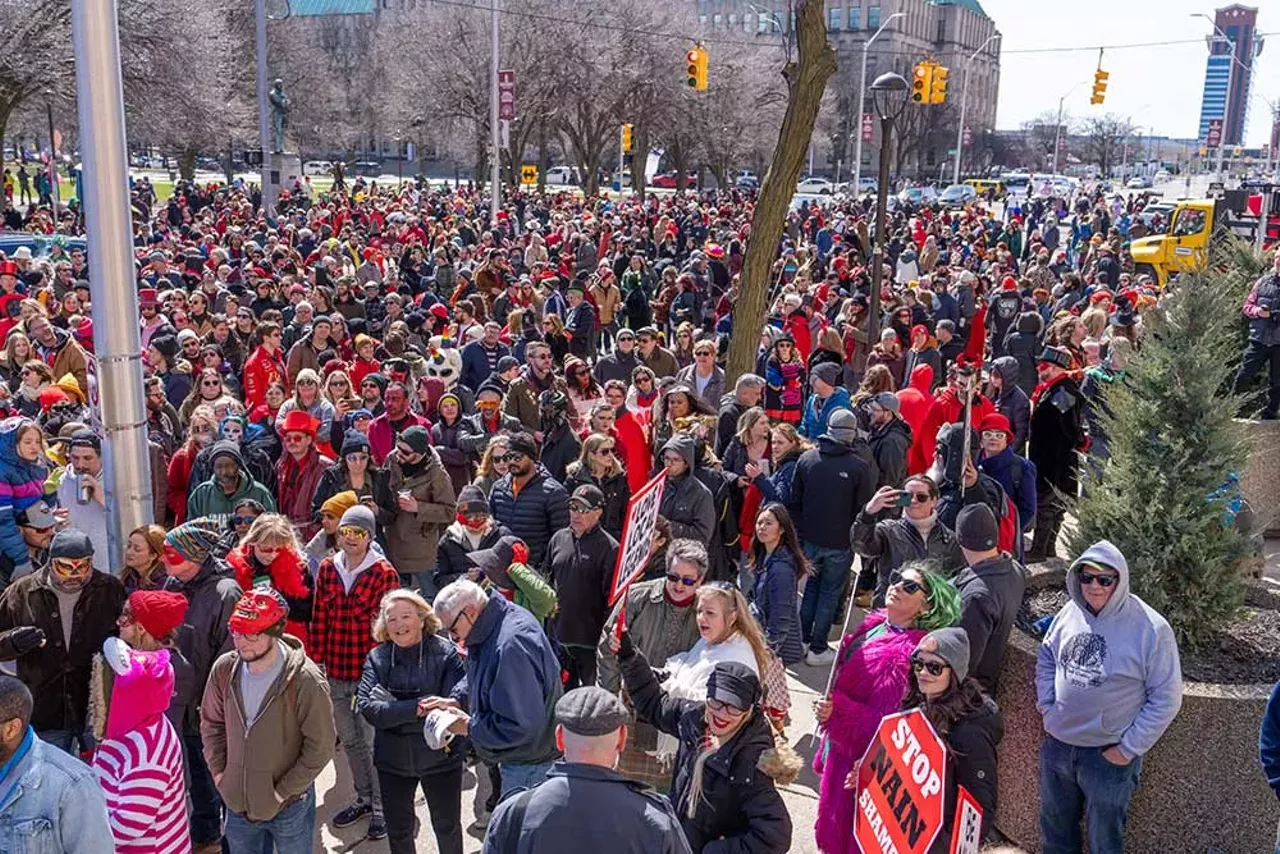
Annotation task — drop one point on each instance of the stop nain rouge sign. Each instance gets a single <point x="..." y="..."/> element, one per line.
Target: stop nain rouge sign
<point x="900" y="798"/>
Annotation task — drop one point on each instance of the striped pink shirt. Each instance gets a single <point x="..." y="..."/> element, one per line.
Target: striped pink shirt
<point x="141" y="775"/>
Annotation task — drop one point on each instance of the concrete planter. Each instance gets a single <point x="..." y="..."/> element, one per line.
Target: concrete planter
<point x="1201" y="790"/>
<point x="1260" y="481"/>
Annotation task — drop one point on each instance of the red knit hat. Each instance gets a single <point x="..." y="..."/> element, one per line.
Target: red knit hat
<point x="1009" y="284"/>
<point x="995" y="421"/>
<point x="158" y="611"/>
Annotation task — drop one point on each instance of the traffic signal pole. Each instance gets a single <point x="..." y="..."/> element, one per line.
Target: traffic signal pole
<point x="117" y="381"/>
<point x="264" y="121"/>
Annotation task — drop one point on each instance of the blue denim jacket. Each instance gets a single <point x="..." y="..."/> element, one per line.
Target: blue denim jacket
<point x="52" y="804"/>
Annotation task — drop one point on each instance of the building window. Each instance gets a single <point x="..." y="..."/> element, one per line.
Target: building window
<point x="835" y="17"/>
<point x="855" y="18"/>
<point x="873" y="17"/>
<point x="733" y="20"/>
<point x="763" y="22"/>
<point x="702" y="19"/>
<point x="717" y="20"/>
<point x="746" y="22"/>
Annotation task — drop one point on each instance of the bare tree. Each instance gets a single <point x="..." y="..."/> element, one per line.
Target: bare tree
<point x="1104" y="136"/>
<point x="806" y="79"/>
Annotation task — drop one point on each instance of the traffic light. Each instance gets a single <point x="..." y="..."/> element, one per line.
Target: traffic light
<point x="1099" y="86"/>
<point x="921" y="78"/>
<point x="626" y="138"/>
<point x="696" y="60"/>
<point x="938" y="85"/>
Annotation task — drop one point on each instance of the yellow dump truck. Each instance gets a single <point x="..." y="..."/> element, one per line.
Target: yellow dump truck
<point x="1193" y="225"/>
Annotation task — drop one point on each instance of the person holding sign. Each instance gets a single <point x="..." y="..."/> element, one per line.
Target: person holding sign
<point x="873" y="670"/>
<point x="963" y="715"/>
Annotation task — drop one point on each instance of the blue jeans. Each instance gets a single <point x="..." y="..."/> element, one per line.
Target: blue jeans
<point x="822" y="593"/>
<point x="522" y="776"/>
<point x="68" y="741"/>
<point x="291" y="829"/>
<point x="1078" y="780"/>
<point x="206" y="803"/>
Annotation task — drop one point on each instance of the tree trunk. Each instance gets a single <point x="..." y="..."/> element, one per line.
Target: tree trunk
<point x="187" y="163"/>
<point x="639" y="160"/>
<point x="544" y="156"/>
<point x="806" y="80"/>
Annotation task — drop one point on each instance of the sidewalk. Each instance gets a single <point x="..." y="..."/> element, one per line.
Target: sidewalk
<point x="334" y="792"/>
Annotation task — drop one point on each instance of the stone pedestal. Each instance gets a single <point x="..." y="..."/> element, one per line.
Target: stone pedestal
<point x="285" y="167"/>
<point x="1260" y="480"/>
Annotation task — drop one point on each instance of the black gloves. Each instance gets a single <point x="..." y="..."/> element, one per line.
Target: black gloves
<point x="626" y="648"/>
<point x="24" y="639"/>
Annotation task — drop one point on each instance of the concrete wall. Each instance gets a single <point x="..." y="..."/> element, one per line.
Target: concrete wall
<point x="1260" y="481"/>
<point x="1202" y="788"/>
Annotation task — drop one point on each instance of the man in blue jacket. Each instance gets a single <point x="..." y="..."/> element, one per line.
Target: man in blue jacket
<point x="480" y="357"/>
<point x="1108" y="683"/>
<point x="511" y="720"/>
<point x="1269" y="745"/>
<point x="528" y="500"/>
<point x="832" y="483"/>
<point x="828" y="396"/>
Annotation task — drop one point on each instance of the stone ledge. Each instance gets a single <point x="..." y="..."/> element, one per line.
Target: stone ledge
<point x="1260" y="481"/>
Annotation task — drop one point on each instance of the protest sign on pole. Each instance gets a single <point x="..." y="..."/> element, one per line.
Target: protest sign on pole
<point x="900" y="797"/>
<point x="966" y="836"/>
<point x="637" y="536"/>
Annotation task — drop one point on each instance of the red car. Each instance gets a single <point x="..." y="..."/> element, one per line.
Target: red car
<point x="667" y="181"/>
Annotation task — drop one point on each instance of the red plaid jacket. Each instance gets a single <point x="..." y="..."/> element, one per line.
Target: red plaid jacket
<point x="341" y="622"/>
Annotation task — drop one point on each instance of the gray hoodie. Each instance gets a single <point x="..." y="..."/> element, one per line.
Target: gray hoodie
<point x="1110" y="678"/>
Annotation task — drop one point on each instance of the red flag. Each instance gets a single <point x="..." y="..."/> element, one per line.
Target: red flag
<point x="977" y="344"/>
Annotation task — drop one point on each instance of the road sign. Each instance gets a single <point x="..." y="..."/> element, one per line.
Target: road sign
<point x="868" y="125"/>
<point x="528" y="174"/>
<point x="968" y="137"/>
<point x="506" y="95"/>
<point x="900" y="798"/>
<point x="637" y="535"/>
<point x="966" y="836"/>
<point x="1214" y="136"/>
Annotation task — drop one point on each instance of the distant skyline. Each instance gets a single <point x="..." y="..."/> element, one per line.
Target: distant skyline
<point x="1157" y="87"/>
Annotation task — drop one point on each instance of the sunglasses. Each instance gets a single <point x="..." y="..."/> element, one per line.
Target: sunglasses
<point x="1104" y="581"/>
<point x="512" y="457"/>
<point x="72" y="566"/>
<point x="935" y="668"/>
<point x="242" y="520"/>
<point x="606" y="451"/>
<point x="353" y="531"/>
<point x="677" y="578"/>
<point x="908" y="585"/>
<point x="453" y="625"/>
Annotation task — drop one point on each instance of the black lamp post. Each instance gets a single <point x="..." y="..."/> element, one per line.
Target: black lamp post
<point x="889" y="96"/>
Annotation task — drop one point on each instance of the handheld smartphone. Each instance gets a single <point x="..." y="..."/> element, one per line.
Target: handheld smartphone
<point x="903" y="499"/>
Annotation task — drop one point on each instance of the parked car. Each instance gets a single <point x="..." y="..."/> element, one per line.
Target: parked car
<point x="561" y="176"/>
<point x="317" y="167"/>
<point x="816" y="186"/>
<point x="367" y="168"/>
<point x="867" y="185"/>
<point x="926" y="195"/>
<point x="1138" y="182"/>
<point x="667" y="181"/>
<point x="747" y="181"/>
<point x="1161" y="176"/>
<point x="958" y="195"/>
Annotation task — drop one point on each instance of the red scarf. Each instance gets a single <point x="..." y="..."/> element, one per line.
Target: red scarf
<point x="1041" y="388"/>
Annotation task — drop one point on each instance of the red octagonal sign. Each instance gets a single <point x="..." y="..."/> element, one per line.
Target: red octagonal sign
<point x="901" y="787"/>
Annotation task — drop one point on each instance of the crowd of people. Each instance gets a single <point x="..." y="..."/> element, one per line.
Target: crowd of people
<point x="392" y="447"/>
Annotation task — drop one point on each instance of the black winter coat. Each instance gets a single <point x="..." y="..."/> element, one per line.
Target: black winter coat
<point x="559" y="448"/>
<point x="832" y="483"/>
<point x="990" y="596"/>
<point x="740" y="809"/>
<point x="889" y="446"/>
<point x="971" y="762"/>
<point x="392" y="682"/>
<point x="541" y="509"/>
<point x="474" y="434"/>
<point x="1057" y="434"/>
<point x="1023" y="344"/>
<point x="893" y="542"/>
<point x="581" y="570"/>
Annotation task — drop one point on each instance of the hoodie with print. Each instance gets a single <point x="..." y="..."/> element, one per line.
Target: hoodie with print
<point x="1111" y="678"/>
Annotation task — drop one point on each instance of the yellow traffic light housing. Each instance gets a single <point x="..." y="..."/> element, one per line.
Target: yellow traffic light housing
<point x="626" y="138"/>
<point x="696" y="68"/>
<point x="921" y="79"/>
<point x="938" y="84"/>
<point x="1099" y="86"/>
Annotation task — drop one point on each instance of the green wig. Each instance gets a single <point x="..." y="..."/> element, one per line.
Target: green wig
<point x="943" y="599"/>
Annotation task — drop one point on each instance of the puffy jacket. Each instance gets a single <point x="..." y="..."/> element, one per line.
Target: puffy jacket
<point x="1013" y="402"/>
<point x="890" y="446"/>
<point x="512" y="717"/>
<point x="411" y="538"/>
<point x="21" y="485"/>
<point x="393" y="681"/>
<point x="818" y="410"/>
<point x="538" y="511"/>
<point x="832" y="483"/>
<point x="686" y="503"/>
<point x="893" y="542"/>
<point x="269" y="765"/>
<point x="58" y="674"/>
<point x="740" y="809"/>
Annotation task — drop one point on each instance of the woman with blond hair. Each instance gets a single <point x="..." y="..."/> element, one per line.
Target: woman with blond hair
<point x="598" y="465"/>
<point x="308" y="398"/>
<point x="143" y="568"/>
<point x="412" y="666"/>
<point x="271" y="554"/>
<point x="493" y="464"/>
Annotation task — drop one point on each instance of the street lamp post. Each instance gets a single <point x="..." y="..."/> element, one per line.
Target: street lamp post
<point x="1057" y="129"/>
<point x="495" y="178"/>
<point x="964" y="103"/>
<point x="889" y="95"/>
<point x="862" y="88"/>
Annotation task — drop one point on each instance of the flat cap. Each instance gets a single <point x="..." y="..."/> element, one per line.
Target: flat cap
<point x="591" y="711"/>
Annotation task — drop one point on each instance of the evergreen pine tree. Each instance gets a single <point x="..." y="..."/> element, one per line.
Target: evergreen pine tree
<point x="1173" y="444"/>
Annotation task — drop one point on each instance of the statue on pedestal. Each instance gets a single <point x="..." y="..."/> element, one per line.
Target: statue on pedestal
<point x="280" y="106"/>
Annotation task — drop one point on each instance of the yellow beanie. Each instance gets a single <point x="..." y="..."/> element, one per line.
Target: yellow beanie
<point x="340" y="503"/>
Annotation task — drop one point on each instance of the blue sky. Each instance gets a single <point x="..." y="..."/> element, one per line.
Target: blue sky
<point x="1158" y="87"/>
